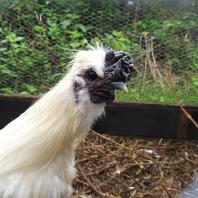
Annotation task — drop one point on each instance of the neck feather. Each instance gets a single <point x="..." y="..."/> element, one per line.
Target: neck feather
<point x="48" y="127"/>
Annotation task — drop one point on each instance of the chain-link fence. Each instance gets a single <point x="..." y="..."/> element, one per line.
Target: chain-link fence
<point x="38" y="37"/>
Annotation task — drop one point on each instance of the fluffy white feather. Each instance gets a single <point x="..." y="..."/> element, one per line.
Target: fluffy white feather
<point x="37" y="148"/>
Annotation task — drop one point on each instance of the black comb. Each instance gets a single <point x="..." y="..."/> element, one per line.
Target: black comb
<point x="118" y="66"/>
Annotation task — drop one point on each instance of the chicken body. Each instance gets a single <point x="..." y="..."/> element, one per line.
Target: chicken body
<point x="37" y="148"/>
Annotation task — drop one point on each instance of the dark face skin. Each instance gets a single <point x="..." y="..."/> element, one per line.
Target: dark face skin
<point x="118" y="68"/>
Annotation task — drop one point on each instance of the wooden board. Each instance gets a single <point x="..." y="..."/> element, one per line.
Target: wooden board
<point x="123" y="119"/>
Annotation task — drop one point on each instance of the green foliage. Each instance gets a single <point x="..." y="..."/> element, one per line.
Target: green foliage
<point x="34" y="57"/>
<point x="38" y="37"/>
<point x="119" y="41"/>
<point x="154" y="93"/>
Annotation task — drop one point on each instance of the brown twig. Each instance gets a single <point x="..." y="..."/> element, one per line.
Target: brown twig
<point x="188" y="115"/>
<point x="90" y="183"/>
<point x="120" y="145"/>
<point x="167" y="192"/>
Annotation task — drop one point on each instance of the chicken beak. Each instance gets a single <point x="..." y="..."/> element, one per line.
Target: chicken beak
<point x="119" y="85"/>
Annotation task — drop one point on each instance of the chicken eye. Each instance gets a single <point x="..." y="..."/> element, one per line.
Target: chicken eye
<point x="91" y="75"/>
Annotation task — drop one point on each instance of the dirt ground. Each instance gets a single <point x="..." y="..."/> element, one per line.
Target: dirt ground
<point x="116" y="167"/>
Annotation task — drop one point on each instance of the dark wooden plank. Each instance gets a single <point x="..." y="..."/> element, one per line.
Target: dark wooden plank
<point x="148" y="120"/>
<point x="12" y="107"/>
<point x="123" y="119"/>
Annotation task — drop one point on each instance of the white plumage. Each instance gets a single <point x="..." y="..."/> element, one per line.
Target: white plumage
<point x="37" y="148"/>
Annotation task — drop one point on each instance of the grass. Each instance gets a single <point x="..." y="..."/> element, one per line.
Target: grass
<point x="152" y="92"/>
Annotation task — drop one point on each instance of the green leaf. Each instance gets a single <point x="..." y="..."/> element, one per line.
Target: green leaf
<point x="29" y="88"/>
<point x="7" y="71"/>
<point x="82" y="28"/>
<point x="2" y="49"/>
<point x="7" y="90"/>
<point x="65" y="24"/>
<point x="38" y="29"/>
<point x="75" y="44"/>
<point x="194" y="80"/>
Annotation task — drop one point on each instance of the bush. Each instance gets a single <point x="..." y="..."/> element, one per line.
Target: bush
<point x="37" y="39"/>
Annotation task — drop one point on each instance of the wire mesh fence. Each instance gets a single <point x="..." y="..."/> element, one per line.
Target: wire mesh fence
<point x="38" y="37"/>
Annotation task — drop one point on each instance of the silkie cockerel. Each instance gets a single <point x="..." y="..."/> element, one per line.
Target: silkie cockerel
<point x="37" y="148"/>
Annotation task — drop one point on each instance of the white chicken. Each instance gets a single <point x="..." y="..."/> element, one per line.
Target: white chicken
<point x="37" y="148"/>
